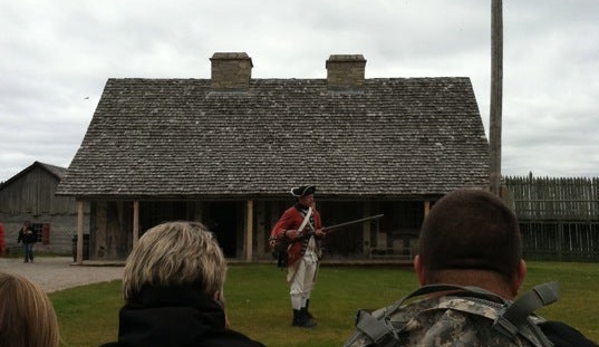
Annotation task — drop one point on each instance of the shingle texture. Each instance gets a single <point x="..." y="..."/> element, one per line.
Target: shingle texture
<point x="177" y="138"/>
<point x="56" y="171"/>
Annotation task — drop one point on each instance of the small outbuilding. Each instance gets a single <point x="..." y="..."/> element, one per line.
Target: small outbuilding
<point x="30" y="196"/>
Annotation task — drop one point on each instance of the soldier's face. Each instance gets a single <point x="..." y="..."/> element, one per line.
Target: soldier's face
<point x="307" y="200"/>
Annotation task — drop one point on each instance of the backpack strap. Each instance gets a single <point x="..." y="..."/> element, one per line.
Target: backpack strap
<point x="511" y="318"/>
<point x="376" y="329"/>
<point x="376" y="325"/>
<point x="435" y="288"/>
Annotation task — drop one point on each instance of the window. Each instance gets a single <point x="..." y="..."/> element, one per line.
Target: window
<point x="42" y="232"/>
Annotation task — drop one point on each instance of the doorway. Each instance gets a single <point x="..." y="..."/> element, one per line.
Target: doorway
<point x="222" y="222"/>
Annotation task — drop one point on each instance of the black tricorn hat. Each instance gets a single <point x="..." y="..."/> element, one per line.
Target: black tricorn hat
<point x="300" y="191"/>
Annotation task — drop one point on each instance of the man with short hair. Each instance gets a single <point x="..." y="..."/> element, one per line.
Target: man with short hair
<point x="173" y="287"/>
<point x="296" y="234"/>
<point x="470" y="238"/>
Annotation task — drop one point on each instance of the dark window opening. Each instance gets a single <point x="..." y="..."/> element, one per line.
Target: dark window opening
<point x="42" y="232"/>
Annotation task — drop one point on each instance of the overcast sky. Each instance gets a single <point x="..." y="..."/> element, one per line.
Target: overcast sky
<point x="56" y="56"/>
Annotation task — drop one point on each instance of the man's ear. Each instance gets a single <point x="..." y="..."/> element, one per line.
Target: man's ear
<point x="419" y="270"/>
<point x="519" y="278"/>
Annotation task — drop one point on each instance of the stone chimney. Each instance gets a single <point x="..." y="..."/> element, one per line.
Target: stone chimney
<point x="345" y="71"/>
<point x="231" y="71"/>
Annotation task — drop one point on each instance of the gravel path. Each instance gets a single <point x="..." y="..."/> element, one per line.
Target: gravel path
<point x="59" y="273"/>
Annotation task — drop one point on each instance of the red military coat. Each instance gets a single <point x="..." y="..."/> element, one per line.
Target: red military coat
<point x="291" y="219"/>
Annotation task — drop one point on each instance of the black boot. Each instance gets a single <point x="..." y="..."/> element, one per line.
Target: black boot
<point x="308" y="311"/>
<point x="309" y="322"/>
<point x="301" y="320"/>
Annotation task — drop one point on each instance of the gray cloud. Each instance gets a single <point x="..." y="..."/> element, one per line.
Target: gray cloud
<point x="58" y="54"/>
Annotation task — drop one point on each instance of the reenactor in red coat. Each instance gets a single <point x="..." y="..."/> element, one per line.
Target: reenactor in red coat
<point x="296" y="235"/>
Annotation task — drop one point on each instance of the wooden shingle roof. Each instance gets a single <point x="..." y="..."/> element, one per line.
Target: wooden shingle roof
<point x="56" y="171"/>
<point x="178" y="138"/>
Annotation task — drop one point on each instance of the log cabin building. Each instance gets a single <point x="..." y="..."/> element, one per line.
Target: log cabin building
<point x="30" y="195"/>
<point x="226" y="151"/>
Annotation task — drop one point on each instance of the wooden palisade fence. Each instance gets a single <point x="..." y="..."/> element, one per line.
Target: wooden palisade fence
<point x="559" y="217"/>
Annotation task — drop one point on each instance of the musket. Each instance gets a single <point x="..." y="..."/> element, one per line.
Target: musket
<point x="361" y="220"/>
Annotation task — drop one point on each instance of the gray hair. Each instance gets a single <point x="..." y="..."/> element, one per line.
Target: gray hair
<point x="175" y="254"/>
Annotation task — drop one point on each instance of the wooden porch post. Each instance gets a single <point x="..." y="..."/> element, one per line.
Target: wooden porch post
<point x="261" y="246"/>
<point x="427" y="207"/>
<point x="79" y="232"/>
<point x="135" y="222"/>
<point x="381" y="239"/>
<point x="366" y="231"/>
<point x="249" y="226"/>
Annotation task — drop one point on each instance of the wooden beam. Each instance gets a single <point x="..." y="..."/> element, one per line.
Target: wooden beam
<point x="249" y="230"/>
<point x="427" y="207"/>
<point x="496" y="97"/>
<point x="79" y="232"/>
<point x="381" y="237"/>
<point x="135" y="222"/>
<point x="260" y="229"/>
<point x="366" y="230"/>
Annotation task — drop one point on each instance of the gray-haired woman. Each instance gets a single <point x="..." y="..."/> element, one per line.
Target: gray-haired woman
<point x="173" y="287"/>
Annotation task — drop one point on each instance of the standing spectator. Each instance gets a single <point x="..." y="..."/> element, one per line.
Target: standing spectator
<point x="27" y="318"/>
<point x="28" y="237"/>
<point x="173" y="287"/>
<point x="470" y="238"/>
<point x="296" y="235"/>
<point x="2" y="241"/>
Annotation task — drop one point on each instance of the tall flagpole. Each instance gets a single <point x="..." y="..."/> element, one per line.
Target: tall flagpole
<point x="496" y="96"/>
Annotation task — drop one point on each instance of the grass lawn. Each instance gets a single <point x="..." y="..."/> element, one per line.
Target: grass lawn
<point x="258" y="302"/>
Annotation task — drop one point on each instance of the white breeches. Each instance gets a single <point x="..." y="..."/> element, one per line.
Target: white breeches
<point x="303" y="281"/>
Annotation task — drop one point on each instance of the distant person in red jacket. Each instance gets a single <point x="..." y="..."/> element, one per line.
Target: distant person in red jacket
<point x="296" y="236"/>
<point x="2" y="241"/>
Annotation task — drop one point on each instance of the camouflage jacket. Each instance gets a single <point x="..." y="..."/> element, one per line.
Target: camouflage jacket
<point x="441" y="321"/>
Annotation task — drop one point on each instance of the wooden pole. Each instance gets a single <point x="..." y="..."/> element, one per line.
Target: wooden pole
<point x="80" y="232"/>
<point x="249" y="231"/>
<point x="366" y="230"/>
<point x="135" y="222"/>
<point x="496" y="96"/>
<point x="427" y="207"/>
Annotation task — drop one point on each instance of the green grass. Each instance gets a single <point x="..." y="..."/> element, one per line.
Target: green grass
<point x="88" y="315"/>
<point x="258" y="302"/>
<point x="579" y="300"/>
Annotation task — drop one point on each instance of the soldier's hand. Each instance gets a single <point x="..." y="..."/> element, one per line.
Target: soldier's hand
<point x="320" y="233"/>
<point x="291" y="234"/>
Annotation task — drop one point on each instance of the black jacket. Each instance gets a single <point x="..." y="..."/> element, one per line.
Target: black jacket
<point x="176" y="317"/>
<point x="563" y="335"/>
<point x="27" y="236"/>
